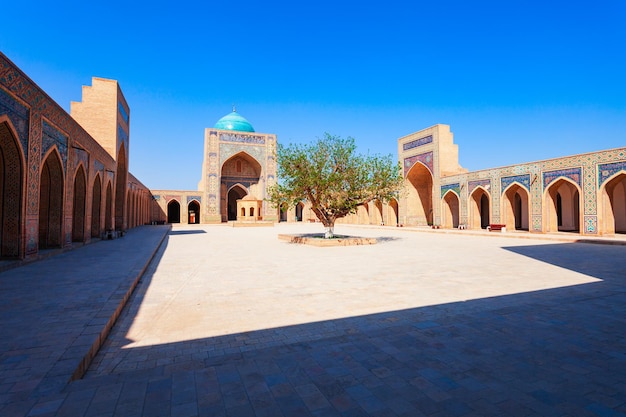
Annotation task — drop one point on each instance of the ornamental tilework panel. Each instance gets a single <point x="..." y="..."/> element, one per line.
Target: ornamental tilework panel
<point x="425" y="158"/>
<point x="81" y="155"/>
<point x="605" y="171"/>
<point x="251" y="139"/>
<point x="537" y="223"/>
<point x="190" y="198"/>
<point x="591" y="224"/>
<point x="122" y="136"/>
<point x="573" y="174"/>
<point x="18" y="114"/>
<point x="523" y="180"/>
<point x="98" y="166"/>
<point x="34" y="162"/>
<point x="471" y="185"/>
<point x="454" y="187"/>
<point x="51" y="137"/>
<point x="417" y="142"/>
<point x="227" y="150"/>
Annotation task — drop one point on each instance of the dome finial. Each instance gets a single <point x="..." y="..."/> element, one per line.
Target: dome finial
<point x="234" y="108"/>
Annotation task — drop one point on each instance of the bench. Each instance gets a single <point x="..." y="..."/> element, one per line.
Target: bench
<point x="497" y="227"/>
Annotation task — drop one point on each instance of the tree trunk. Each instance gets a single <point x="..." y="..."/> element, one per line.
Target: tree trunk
<point x="330" y="230"/>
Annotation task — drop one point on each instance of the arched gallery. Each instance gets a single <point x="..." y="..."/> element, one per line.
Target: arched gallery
<point x="64" y="179"/>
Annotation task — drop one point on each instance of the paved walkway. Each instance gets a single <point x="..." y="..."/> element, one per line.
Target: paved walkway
<point x="57" y="312"/>
<point x="233" y="322"/>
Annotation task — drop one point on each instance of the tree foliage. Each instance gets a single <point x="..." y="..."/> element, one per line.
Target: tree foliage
<point x="333" y="178"/>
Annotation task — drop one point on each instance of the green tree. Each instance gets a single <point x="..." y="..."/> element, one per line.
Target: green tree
<point x="333" y="178"/>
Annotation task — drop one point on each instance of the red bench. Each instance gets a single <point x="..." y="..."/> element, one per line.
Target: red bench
<point x="497" y="227"/>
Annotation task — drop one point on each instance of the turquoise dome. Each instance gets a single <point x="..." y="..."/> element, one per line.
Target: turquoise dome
<point x="234" y="121"/>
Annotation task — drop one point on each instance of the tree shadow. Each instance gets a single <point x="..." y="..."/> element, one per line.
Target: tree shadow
<point x="186" y="232"/>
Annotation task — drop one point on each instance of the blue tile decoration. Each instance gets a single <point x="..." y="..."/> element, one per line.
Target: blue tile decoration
<point x="190" y="198"/>
<point x="50" y="136"/>
<point x="417" y="142"/>
<point x="156" y="197"/>
<point x="19" y="116"/>
<point x="605" y="171"/>
<point x="246" y="184"/>
<point x="591" y="224"/>
<point x="233" y="137"/>
<point x="471" y="185"/>
<point x="122" y="111"/>
<point x="537" y="223"/>
<point x="574" y="174"/>
<point x="98" y="166"/>
<point x="454" y="187"/>
<point x="425" y="158"/>
<point x="123" y="136"/>
<point x="523" y="180"/>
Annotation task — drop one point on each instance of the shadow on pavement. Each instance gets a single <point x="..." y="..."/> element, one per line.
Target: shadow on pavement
<point x="549" y="352"/>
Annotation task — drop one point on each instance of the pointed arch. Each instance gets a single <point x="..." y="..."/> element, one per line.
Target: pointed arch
<point x="129" y="209"/>
<point x="392" y="213"/>
<point x="96" y="207"/>
<point x="363" y="214"/>
<point x="108" y="212"/>
<point x="562" y="206"/>
<point x="236" y="192"/>
<point x="282" y="212"/>
<point x="479" y="208"/>
<point x="451" y="206"/>
<point x="377" y="213"/>
<point x="79" y="204"/>
<point x="516" y="207"/>
<point x="173" y="211"/>
<point x="299" y="211"/>
<point x="243" y="170"/>
<point x="120" y="189"/>
<point x="12" y="165"/>
<point x="193" y="212"/>
<point x="51" y="191"/>
<point x="419" y="182"/>
<point x="613" y="204"/>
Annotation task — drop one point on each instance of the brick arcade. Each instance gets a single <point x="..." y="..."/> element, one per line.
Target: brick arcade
<point x="64" y="179"/>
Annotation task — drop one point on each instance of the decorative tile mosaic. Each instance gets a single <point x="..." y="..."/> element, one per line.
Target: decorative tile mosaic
<point x="227" y="150"/>
<point x="591" y="224"/>
<point x="454" y="187"/>
<point x="239" y="138"/>
<point x="572" y="173"/>
<point x="122" y="111"/>
<point x="425" y="158"/>
<point x="417" y="142"/>
<point x="51" y="137"/>
<point x="98" y="166"/>
<point x="18" y="114"/>
<point x="190" y="198"/>
<point x="605" y="171"/>
<point x="81" y="156"/>
<point x="122" y="135"/>
<point x="485" y="183"/>
<point x="537" y="223"/>
<point x="523" y="180"/>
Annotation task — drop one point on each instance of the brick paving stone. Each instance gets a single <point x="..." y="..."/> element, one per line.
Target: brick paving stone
<point x="490" y="325"/>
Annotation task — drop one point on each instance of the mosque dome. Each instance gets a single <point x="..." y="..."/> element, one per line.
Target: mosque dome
<point x="234" y="121"/>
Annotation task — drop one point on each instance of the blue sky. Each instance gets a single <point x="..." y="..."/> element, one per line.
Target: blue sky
<point x="517" y="81"/>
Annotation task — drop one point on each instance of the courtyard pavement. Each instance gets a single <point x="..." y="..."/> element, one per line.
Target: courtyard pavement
<point x="234" y="322"/>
